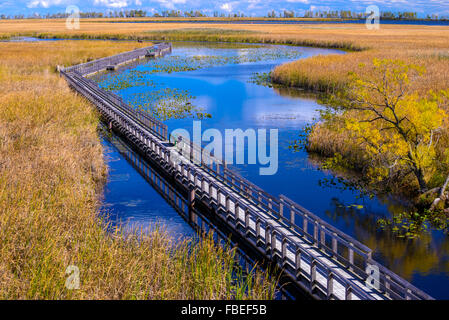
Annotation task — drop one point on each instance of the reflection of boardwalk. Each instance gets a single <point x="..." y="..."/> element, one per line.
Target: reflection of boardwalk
<point x="316" y="256"/>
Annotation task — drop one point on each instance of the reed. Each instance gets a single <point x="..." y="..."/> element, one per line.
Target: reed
<point x="427" y="44"/>
<point x="51" y="173"/>
<point x="329" y="74"/>
<point x="332" y="138"/>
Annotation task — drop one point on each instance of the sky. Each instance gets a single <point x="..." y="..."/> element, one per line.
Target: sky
<point x="248" y="7"/>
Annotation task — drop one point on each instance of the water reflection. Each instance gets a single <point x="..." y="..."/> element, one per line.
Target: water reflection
<point x="294" y="93"/>
<point x="413" y="259"/>
<point x="131" y="201"/>
<point x="226" y="92"/>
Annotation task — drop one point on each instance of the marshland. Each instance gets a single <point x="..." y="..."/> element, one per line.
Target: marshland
<point x="62" y="194"/>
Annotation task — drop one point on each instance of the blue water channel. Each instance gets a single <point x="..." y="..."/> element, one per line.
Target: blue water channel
<point x="219" y="80"/>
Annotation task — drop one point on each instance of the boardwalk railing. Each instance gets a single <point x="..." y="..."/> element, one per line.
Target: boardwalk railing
<point x="198" y="221"/>
<point x="125" y="57"/>
<point x="157" y="127"/>
<point x="317" y="230"/>
<point x="318" y="257"/>
<point x="341" y="247"/>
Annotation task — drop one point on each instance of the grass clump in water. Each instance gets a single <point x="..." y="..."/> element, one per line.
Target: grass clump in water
<point x="167" y="103"/>
<point x="412" y="225"/>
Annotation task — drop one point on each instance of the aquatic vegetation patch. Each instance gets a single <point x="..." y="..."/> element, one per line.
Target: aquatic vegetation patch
<point x="159" y="101"/>
<point x="261" y="79"/>
<point x="167" y="103"/>
<point x="218" y="45"/>
<point x="133" y="78"/>
<point x="176" y="63"/>
<point x="412" y="225"/>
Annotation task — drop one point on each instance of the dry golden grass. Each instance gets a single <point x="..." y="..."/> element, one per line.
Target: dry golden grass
<point x="426" y="44"/>
<point x="399" y="36"/>
<point x="52" y="163"/>
<point x="51" y="169"/>
<point x="329" y="74"/>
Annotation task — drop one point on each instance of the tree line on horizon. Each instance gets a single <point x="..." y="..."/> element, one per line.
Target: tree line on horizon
<point x="285" y="14"/>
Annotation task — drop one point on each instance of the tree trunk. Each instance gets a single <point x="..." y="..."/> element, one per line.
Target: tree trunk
<point x="444" y="187"/>
<point x="441" y="195"/>
<point x="422" y="182"/>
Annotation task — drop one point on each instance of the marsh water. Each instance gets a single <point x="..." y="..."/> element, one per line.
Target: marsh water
<point x="219" y="80"/>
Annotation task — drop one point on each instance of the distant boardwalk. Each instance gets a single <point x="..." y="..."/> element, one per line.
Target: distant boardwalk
<point x="317" y="257"/>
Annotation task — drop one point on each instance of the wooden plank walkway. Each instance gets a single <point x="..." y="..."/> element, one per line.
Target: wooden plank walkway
<point x="319" y="258"/>
<point x="197" y="220"/>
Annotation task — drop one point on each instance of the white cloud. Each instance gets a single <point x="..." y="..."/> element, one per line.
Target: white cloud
<point x="44" y="3"/>
<point x="111" y="3"/>
<point x="231" y="6"/>
<point x="171" y="4"/>
<point x="226" y="7"/>
<point x="320" y="8"/>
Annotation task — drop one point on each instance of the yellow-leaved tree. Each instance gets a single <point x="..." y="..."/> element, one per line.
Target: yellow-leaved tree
<point x="397" y="128"/>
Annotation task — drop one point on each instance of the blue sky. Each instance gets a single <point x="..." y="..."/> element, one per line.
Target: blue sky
<point x="249" y="7"/>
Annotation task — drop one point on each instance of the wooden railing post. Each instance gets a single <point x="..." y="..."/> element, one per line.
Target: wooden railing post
<point x="351" y="255"/>
<point x="334" y="244"/>
<point x="258" y="233"/>
<point x="191" y="203"/>
<point x="292" y="216"/>
<point x="281" y="208"/>
<point x="236" y="212"/>
<point x="298" y="263"/>
<point x="273" y="240"/>
<point x="247" y="227"/>
<point x="348" y="292"/>
<point x="315" y="232"/>
<point x="323" y="236"/>
<point x="268" y="242"/>
<point x="312" y="275"/>
<point x="387" y="285"/>
<point x="284" y="252"/>
<point x="330" y="285"/>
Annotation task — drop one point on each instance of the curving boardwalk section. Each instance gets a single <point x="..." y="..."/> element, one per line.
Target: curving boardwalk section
<point x="317" y="257"/>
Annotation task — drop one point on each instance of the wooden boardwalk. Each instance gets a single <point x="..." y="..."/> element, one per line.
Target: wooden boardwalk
<point x="317" y="257"/>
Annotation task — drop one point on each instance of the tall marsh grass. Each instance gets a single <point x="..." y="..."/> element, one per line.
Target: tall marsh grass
<point x="325" y="74"/>
<point x="51" y="173"/>
<point x="331" y="73"/>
